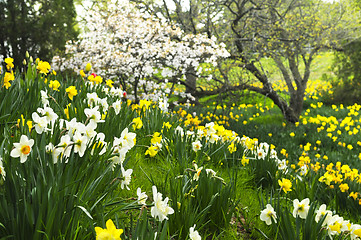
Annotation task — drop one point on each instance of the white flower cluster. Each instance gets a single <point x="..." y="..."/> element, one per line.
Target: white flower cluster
<point x="334" y="224"/>
<point x="78" y="136"/>
<point x="261" y="150"/>
<point x="129" y="47"/>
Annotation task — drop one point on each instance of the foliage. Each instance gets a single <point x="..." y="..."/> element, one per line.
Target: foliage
<point x="37" y="26"/>
<point x="75" y="171"/>
<point x="347" y="65"/>
<point x="291" y="33"/>
<point x="143" y="54"/>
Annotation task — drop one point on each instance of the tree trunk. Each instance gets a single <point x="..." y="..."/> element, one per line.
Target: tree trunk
<point x="289" y="113"/>
<point x="296" y="102"/>
<point x="191" y="83"/>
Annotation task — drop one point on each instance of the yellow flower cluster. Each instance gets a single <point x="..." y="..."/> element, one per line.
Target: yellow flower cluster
<point x="338" y="175"/>
<point x="9" y="76"/>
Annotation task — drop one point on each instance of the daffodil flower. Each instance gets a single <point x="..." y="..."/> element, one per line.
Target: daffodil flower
<point x="160" y="209"/>
<point x="22" y="149"/>
<point x="126" y="177"/>
<point x="110" y="232"/>
<point x="142" y="197"/>
<point x="301" y="208"/>
<point x="193" y="234"/>
<point x="268" y="214"/>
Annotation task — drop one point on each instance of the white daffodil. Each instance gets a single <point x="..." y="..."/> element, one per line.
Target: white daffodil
<point x="40" y="123"/>
<point x="303" y="170"/>
<point x="200" y="133"/>
<point x="104" y="103"/>
<point x="160" y="209"/>
<point x="268" y="214"/>
<point x="80" y="143"/>
<point x="282" y="165"/>
<point x="142" y="197"/>
<point x="189" y="133"/>
<point x="213" y="138"/>
<point x="273" y="154"/>
<point x="321" y="212"/>
<point x="211" y="172"/>
<point x="127" y="139"/>
<point x="301" y="208"/>
<point x="116" y="92"/>
<point x="336" y="225"/>
<point x="92" y="99"/>
<point x="44" y="97"/>
<point x="93" y="114"/>
<point x="193" y="234"/>
<point x="163" y="104"/>
<point x="100" y="144"/>
<point x="55" y="152"/>
<point x="89" y="130"/>
<point x="73" y="126"/>
<point x="264" y="146"/>
<point x="49" y="113"/>
<point x="22" y="149"/>
<point x="261" y="153"/>
<point x="65" y="145"/>
<point x="198" y="172"/>
<point x="126" y="177"/>
<point x="117" y="105"/>
<point x="197" y="145"/>
<point x="179" y="130"/>
<point x="355" y="231"/>
<point x="210" y="128"/>
<point x="119" y="157"/>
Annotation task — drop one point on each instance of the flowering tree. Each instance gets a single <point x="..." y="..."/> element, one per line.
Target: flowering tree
<point x="290" y="32"/>
<point x="148" y="57"/>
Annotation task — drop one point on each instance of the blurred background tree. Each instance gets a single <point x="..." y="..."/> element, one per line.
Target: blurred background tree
<point x="40" y="27"/>
<point x="347" y="67"/>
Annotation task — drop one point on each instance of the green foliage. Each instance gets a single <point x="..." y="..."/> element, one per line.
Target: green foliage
<point x="41" y="199"/>
<point x="38" y="26"/>
<point x="347" y="87"/>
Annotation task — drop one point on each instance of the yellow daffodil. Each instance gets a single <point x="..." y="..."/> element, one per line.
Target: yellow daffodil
<point x="71" y="91"/>
<point x="167" y="125"/>
<point x="108" y="233"/>
<point x="232" y="148"/>
<point x="285" y="185"/>
<point x="82" y="74"/>
<point x="88" y="67"/>
<point x="152" y="151"/>
<point x="43" y="67"/>
<point x="7" y="78"/>
<point x="354" y="195"/>
<point x="157" y="138"/>
<point x="109" y="83"/>
<point x="95" y="78"/>
<point x="54" y="85"/>
<point x="344" y="187"/>
<point x="137" y="123"/>
<point x="244" y="160"/>
<point x="9" y="63"/>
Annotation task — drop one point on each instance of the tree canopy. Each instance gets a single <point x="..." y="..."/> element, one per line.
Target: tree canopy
<point x="149" y="57"/>
<point x="291" y="32"/>
<point x="37" y="26"/>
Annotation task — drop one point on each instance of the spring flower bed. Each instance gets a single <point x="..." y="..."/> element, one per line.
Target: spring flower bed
<point x="81" y="161"/>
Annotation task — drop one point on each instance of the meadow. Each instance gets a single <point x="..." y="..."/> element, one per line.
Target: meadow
<point x="81" y="161"/>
